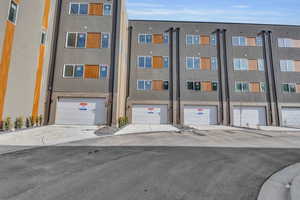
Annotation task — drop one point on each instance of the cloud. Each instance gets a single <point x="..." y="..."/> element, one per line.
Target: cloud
<point x="240" y="6"/>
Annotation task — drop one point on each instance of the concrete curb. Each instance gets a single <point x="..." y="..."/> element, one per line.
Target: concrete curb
<point x="279" y="185"/>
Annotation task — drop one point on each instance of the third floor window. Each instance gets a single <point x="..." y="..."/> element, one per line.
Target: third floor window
<point x="92" y="9"/>
<point x="247" y="41"/>
<point x="87" y="40"/>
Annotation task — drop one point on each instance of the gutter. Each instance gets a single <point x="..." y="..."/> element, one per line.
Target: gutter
<point x="221" y="120"/>
<point x="177" y="30"/>
<point x="128" y="65"/>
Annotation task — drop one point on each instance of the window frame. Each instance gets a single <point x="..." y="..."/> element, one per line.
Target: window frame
<point x="240" y="64"/>
<point x="110" y="11"/>
<point x="100" y="70"/>
<point x="109" y="42"/>
<point x="79" y="4"/>
<point x="144" y="88"/>
<point x="67" y="37"/>
<point x="74" y="67"/>
<point x="212" y="59"/>
<point x="243" y="83"/>
<point x="64" y="70"/>
<point x="239" y="41"/>
<point x="145" y="35"/>
<point x="193" y="58"/>
<point x="43" y="37"/>
<point x="166" y="57"/>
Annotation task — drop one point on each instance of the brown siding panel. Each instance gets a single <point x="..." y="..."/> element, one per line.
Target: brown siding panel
<point x="206" y="86"/>
<point x="254" y="87"/>
<point x="96" y="9"/>
<point x="298" y="88"/>
<point x="157" y="85"/>
<point x="158" y="39"/>
<point x="297" y="65"/>
<point x="93" y="40"/>
<point x="158" y="62"/>
<point x="297" y="43"/>
<point x="251" y="41"/>
<point x="91" y="71"/>
<point x="205" y="39"/>
<point x="252" y="65"/>
<point x="205" y="63"/>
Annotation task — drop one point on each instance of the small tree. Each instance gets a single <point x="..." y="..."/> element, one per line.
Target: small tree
<point x="7" y="123"/>
<point x="19" y="123"/>
<point x="32" y="121"/>
<point x="37" y="120"/>
<point x="41" y="120"/>
<point x="1" y="125"/>
<point x="123" y="121"/>
<point x="28" y="122"/>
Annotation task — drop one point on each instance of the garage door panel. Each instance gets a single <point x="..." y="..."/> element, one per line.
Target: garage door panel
<point x="149" y="114"/>
<point x="81" y="111"/>
<point x="200" y="115"/>
<point x="249" y="116"/>
<point x="291" y="117"/>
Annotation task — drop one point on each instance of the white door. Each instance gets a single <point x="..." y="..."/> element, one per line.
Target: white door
<point x="81" y="111"/>
<point x="149" y="114"/>
<point x="200" y="115"/>
<point x="249" y="116"/>
<point x="291" y="117"/>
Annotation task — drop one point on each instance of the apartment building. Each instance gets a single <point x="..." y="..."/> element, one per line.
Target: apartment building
<point x="83" y="62"/>
<point x="214" y="73"/>
<point x="26" y="35"/>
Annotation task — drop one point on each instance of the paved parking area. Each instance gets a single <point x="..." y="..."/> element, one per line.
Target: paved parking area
<point x="145" y="128"/>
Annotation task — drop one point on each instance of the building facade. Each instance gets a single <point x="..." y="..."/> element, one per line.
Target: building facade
<point x="96" y="67"/>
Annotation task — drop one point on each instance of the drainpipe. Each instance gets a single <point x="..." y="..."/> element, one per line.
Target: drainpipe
<point x="52" y="62"/>
<point x="178" y="96"/>
<point x="221" y="111"/>
<point x="128" y="66"/>
<point x="227" y="90"/>
<point x="171" y="83"/>
<point x="113" y="61"/>
<point x="273" y="77"/>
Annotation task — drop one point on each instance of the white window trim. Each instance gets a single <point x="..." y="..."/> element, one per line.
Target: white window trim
<point x="64" y="75"/>
<point x="17" y="13"/>
<point x="240" y="68"/>
<point x="109" y="42"/>
<point x="76" y="40"/>
<point x="110" y="13"/>
<point x="193" y="57"/>
<point x="73" y="76"/>
<point x="78" y="14"/>
<point x="144" y="89"/>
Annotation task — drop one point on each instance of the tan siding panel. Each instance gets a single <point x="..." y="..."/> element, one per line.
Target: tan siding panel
<point x="205" y="63"/>
<point x="297" y="43"/>
<point x="93" y="40"/>
<point x="158" y="39"/>
<point x="96" y="9"/>
<point x="297" y="65"/>
<point x="206" y="86"/>
<point x="158" y="62"/>
<point x="157" y="85"/>
<point x="251" y="41"/>
<point x="252" y="65"/>
<point x="255" y="87"/>
<point x="205" y="39"/>
<point x="91" y="71"/>
<point x="298" y="88"/>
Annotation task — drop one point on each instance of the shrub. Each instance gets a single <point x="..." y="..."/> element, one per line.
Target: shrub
<point x="123" y="121"/>
<point x="28" y="125"/>
<point x="41" y="120"/>
<point x="36" y="121"/>
<point x="19" y="123"/>
<point x="7" y="123"/>
<point x="32" y="121"/>
<point x="1" y="125"/>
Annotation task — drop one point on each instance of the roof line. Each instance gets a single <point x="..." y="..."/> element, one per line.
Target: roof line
<point x="202" y="22"/>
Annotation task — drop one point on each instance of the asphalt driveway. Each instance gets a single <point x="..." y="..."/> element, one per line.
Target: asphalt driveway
<point x="139" y="173"/>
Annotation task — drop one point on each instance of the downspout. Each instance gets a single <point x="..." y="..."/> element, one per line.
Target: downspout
<point x="217" y="32"/>
<point x="113" y="60"/>
<point x="274" y="89"/>
<point x="263" y="33"/>
<point x="226" y="78"/>
<point x="52" y="62"/>
<point x="128" y="66"/>
<point x="178" y="96"/>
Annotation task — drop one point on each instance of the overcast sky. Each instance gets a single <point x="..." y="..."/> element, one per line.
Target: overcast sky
<point x="251" y="11"/>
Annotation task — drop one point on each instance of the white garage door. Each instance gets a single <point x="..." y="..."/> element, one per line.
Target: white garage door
<point x="200" y="115"/>
<point x="291" y="117"/>
<point x="149" y="114"/>
<point x="81" y="111"/>
<point x="249" y="116"/>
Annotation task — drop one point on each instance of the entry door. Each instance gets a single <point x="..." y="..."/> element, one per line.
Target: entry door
<point x="149" y="114"/>
<point x="291" y="117"/>
<point x="249" y="116"/>
<point x="200" y="115"/>
<point x="81" y="111"/>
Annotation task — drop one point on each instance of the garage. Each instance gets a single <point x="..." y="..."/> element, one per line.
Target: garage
<point x="150" y="114"/>
<point x="290" y="117"/>
<point x="200" y="115"/>
<point x="81" y="111"/>
<point x="249" y="116"/>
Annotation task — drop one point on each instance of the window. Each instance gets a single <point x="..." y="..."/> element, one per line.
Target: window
<point x="105" y="40"/>
<point x="240" y="64"/>
<point x="79" y="8"/>
<point x="13" y="10"/>
<point x="68" y="71"/>
<point x="263" y="87"/>
<point x="261" y="65"/>
<point x="148" y="61"/>
<point x="213" y="39"/>
<point x="289" y="87"/>
<point x="107" y="9"/>
<point x="193" y="63"/>
<point x="197" y="85"/>
<point x="238" y="41"/>
<point x="166" y="38"/>
<point x="287" y="65"/>
<point x="43" y="37"/>
<point x="166" y="62"/>
<point x="148" y="85"/>
<point x="81" y="38"/>
<point x="193" y="39"/>
<point x="285" y="42"/>
<point x="78" y="72"/>
<point x="141" y="85"/>
<point x="166" y="85"/>
<point x="76" y="40"/>
<point x="145" y="38"/>
<point x="103" y="71"/>
<point x="71" y="40"/>
<point x="190" y="85"/>
<point x="214" y="64"/>
<point x="214" y="85"/>
<point x="241" y="86"/>
<point x="144" y="61"/>
<point x="259" y="41"/>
